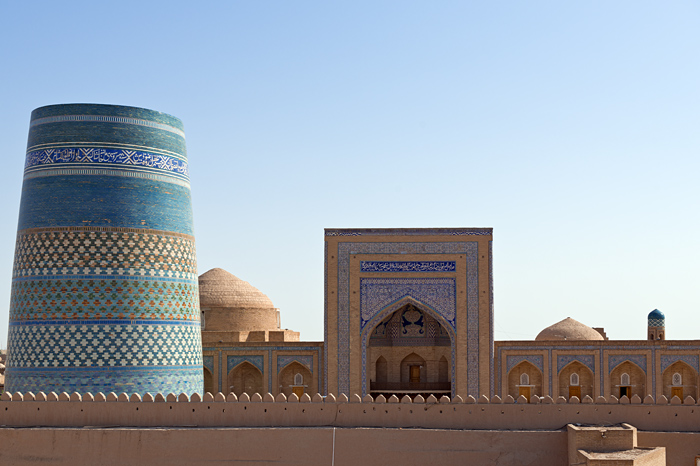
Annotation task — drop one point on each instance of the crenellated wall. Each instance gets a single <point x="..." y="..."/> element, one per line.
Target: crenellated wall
<point x="171" y="430"/>
<point x="219" y="411"/>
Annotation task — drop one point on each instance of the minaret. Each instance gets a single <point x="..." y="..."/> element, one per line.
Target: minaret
<point x="104" y="285"/>
<point x="657" y="325"/>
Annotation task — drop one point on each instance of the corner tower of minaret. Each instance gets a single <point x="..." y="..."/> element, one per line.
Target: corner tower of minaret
<point x="656" y="329"/>
<point x="104" y="285"/>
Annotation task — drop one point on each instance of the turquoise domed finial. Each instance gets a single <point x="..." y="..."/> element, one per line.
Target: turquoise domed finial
<point x="656" y="318"/>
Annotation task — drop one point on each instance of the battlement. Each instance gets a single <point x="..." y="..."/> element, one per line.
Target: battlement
<point x="219" y="410"/>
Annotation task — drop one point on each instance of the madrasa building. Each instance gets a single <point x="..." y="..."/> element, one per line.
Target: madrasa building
<point x="410" y="311"/>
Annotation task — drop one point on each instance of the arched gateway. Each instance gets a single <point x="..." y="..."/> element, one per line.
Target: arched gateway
<point x="409" y="311"/>
<point x="408" y="352"/>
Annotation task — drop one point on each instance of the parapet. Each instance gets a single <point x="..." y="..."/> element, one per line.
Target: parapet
<point x="266" y="410"/>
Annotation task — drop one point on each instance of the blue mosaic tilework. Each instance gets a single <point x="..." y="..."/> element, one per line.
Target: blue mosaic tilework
<point x="473" y="370"/>
<point x="616" y="360"/>
<point x="140" y="174"/>
<point x="88" y="123"/>
<point x="92" y="157"/>
<point x="535" y="360"/>
<point x="208" y="362"/>
<point x="657" y="322"/>
<point x="324" y="387"/>
<point x="233" y="361"/>
<point x="587" y="360"/>
<point x="439" y="294"/>
<point x="97" y="298"/>
<point x="409" y="327"/>
<point x="408" y="266"/>
<point x="305" y="360"/>
<point x="105" y="201"/>
<point x="408" y="231"/>
<point x="106" y="119"/>
<point x="85" y="344"/>
<point x="346" y="249"/>
<point x="124" y="380"/>
<point x="105" y="278"/>
<point x="104" y="251"/>
<point x="689" y="359"/>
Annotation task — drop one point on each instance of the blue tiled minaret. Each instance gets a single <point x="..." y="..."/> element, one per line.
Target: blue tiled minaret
<point x="104" y="285"/>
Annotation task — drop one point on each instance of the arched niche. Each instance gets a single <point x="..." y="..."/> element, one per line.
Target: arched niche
<point x="532" y="375"/>
<point x="688" y="385"/>
<point x="291" y="374"/>
<point x="637" y="380"/>
<point x="585" y="376"/>
<point x="208" y="381"/>
<point x="395" y="333"/>
<point x="245" y="378"/>
<point x="381" y="368"/>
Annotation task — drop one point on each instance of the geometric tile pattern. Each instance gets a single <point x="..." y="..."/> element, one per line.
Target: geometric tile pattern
<point x="656" y="323"/>
<point x="638" y="359"/>
<point x="97" y="298"/>
<point x="233" y="361"/>
<point x="305" y="360"/>
<point x="98" y="251"/>
<point x="690" y="359"/>
<point x="408" y="266"/>
<point x="127" y="380"/>
<point x="105" y="157"/>
<point x="535" y="360"/>
<point x="208" y="362"/>
<point x="437" y="293"/>
<point x="585" y="359"/>
<point x="105" y="293"/>
<point x="104" y="344"/>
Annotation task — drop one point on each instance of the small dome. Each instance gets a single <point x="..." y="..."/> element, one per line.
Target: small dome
<point x="219" y="288"/>
<point x="568" y="329"/>
<point x="656" y="318"/>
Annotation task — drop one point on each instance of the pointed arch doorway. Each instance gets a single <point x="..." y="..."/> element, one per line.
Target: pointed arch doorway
<point x="409" y="351"/>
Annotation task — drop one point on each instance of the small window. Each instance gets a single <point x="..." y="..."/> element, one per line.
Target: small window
<point x="298" y="379"/>
<point x="625" y="379"/>
<point x="677" y="379"/>
<point x="524" y="379"/>
<point x="573" y="380"/>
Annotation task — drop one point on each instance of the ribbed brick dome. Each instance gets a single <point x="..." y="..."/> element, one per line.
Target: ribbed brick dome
<point x="568" y="329"/>
<point x="219" y="288"/>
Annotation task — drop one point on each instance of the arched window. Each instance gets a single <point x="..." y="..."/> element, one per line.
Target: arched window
<point x="573" y="380"/>
<point x="625" y="379"/>
<point x="524" y="379"/>
<point x="677" y="379"/>
<point x="298" y="379"/>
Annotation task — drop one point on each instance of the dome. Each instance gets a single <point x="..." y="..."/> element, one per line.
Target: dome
<point x="656" y="318"/>
<point x="568" y="329"/>
<point x="219" y="288"/>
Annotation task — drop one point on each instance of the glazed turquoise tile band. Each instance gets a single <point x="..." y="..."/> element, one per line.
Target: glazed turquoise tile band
<point x="104" y="293"/>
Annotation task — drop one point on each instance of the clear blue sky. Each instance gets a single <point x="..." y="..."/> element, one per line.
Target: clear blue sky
<point x="571" y="128"/>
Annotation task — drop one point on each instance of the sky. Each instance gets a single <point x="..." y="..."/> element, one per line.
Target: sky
<point x="570" y="128"/>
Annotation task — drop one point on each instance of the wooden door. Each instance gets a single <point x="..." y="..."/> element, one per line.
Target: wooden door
<point x="415" y="374"/>
<point x="298" y="391"/>
<point x="575" y="390"/>
<point x="626" y="391"/>
<point x="677" y="391"/>
<point x="524" y="391"/>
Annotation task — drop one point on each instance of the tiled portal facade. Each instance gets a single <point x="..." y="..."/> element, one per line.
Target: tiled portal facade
<point x="371" y="274"/>
<point x="104" y="291"/>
